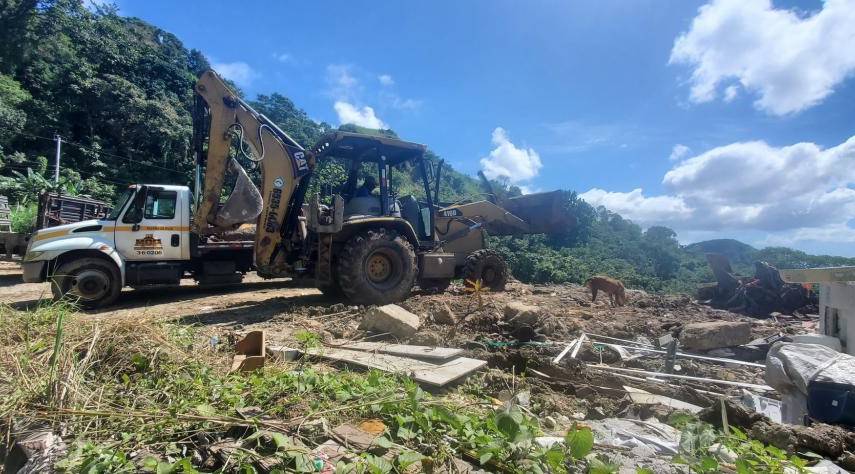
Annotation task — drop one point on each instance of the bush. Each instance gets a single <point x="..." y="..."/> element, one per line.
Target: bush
<point x="24" y="218"/>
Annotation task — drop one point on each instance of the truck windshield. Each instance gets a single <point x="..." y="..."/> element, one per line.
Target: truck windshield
<point x="120" y="203"/>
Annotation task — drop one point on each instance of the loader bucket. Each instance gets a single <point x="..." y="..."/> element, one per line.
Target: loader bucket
<point x="243" y="205"/>
<point x="545" y="213"/>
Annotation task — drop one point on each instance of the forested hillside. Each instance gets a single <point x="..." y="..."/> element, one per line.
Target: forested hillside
<point x="119" y="92"/>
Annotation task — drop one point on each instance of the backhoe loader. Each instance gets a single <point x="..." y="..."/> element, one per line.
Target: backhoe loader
<point x="367" y="246"/>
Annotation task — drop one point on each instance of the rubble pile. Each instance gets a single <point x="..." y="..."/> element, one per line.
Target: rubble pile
<point x="761" y="295"/>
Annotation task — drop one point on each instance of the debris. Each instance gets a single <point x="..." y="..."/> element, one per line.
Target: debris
<point x="354" y="437"/>
<point x="765" y="406"/>
<point x="250" y="352"/>
<point x="34" y="450"/>
<point x="715" y="334"/>
<point x="621" y="432"/>
<point x="421" y="371"/>
<point x="403" y="350"/>
<point x="722" y="452"/>
<point x="444" y="315"/>
<point x="578" y="346"/>
<point x="827" y="341"/>
<point x="646" y="398"/>
<point x="826" y="467"/>
<point x="681" y="377"/>
<point x="521" y="314"/>
<point x="391" y="318"/>
<point x="762" y="295"/>
<point x="621" y="349"/>
<point x="373" y="426"/>
<point x="812" y="379"/>
<point x="567" y="349"/>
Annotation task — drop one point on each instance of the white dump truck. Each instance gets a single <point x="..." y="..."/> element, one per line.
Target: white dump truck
<point x="145" y="240"/>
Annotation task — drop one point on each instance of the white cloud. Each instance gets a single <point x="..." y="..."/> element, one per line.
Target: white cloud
<point x="795" y="193"/>
<point x="506" y="160"/>
<point x="386" y="80"/>
<point x="364" y="117"/>
<point x="342" y="83"/>
<point x="791" y="60"/>
<point x="679" y="151"/>
<point x="239" y="72"/>
<point x="283" y="57"/>
<point x="634" y="205"/>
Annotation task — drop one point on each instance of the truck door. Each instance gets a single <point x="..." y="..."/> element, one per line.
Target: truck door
<point x="151" y="229"/>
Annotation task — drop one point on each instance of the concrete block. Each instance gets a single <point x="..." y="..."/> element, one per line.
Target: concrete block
<point x="391" y="318"/>
<point x="715" y="334"/>
<point x="521" y="314"/>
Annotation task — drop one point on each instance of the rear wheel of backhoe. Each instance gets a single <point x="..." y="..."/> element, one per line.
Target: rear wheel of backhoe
<point x="377" y="267"/>
<point x="91" y="282"/>
<point x="333" y="290"/>
<point x="489" y="267"/>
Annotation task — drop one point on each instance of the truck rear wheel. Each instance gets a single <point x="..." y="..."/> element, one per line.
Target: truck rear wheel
<point x="377" y="267"/>
<point x="489" y="267"/>
<point x="91" y="282"/>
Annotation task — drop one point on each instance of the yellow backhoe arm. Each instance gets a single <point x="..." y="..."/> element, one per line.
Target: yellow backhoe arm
<point x="284" y="164"/>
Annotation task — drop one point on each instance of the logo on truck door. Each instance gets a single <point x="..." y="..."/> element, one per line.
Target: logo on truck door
<point x="148" y="245"/>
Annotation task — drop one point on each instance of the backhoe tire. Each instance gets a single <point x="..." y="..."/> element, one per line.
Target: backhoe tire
<point x="435" y="285"/>
<point x="333" y="290"/>
<point x="377" y="267"/>
<point x="489" y="267"/>
<point x="90" y="282"/>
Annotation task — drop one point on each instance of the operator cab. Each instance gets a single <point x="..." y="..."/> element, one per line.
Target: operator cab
<point x="368" y="161"/>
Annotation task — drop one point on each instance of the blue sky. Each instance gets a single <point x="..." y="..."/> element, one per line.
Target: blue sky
<point x="732" y="119"/>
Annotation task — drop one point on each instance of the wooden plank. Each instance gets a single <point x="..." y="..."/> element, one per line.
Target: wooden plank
<point x="578" y="346"/>
<point x="563" y="353"/>
<point x="403" y="350"/>
<point x="421" y="371"/>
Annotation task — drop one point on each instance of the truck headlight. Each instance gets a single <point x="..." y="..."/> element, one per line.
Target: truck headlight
<point x="30" y="256"/>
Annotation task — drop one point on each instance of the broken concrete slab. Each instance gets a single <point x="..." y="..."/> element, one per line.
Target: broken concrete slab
<point x="391" y="318"/>
<point x="431" y="353"/>
<point x="715" y="334"/>
<point x="428" y="373"/>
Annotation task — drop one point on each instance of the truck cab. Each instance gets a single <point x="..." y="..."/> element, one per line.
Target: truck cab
<point x="145" y="240"/>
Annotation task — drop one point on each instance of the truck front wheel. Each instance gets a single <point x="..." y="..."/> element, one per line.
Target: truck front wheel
<point x="377" y="267"/>
<point x="91" y="282"/>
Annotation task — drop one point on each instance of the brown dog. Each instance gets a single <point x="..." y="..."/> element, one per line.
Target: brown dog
<point x="614" y="288"/>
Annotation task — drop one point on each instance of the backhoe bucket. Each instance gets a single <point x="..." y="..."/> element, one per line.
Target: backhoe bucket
<point x="545" y="213"/>
<point x="243" y="204"/>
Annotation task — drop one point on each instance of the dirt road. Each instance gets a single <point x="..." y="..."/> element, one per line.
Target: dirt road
<point x="253" y="301"/>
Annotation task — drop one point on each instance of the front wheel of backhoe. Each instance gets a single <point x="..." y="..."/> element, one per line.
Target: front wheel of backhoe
<point x="377" y="267"/>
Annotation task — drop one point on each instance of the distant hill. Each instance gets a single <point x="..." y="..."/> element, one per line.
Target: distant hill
<point x="738" y="252"/>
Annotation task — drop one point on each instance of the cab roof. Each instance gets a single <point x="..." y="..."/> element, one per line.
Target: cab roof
<point x="362" y="147"/>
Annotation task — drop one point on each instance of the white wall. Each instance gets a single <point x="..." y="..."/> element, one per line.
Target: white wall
<point x="838" y="299"/>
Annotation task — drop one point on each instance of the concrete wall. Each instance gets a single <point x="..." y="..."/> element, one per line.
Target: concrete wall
<point x="837" y="313"/>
